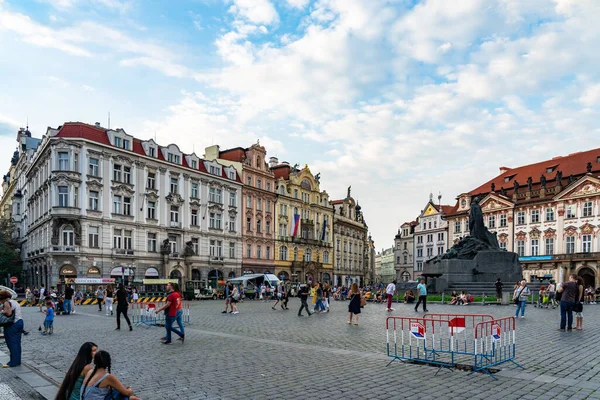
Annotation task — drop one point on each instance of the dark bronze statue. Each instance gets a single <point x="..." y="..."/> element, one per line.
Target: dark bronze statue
<point x="571" y="179"/>
<point x="165" y="248"/>
<point x="516" y="186"/>
<point x="558" y="177"/>
<point x="493" y="187"/>
<point x="543" y="181"/>
<point x="529" y="184"/>
<point x="588" y="167"/>
<point x="503" y="191"/>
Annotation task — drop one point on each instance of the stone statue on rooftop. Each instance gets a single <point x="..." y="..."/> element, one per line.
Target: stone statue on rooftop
<point x="529" y="183"/>
<point x="543" y="181"/>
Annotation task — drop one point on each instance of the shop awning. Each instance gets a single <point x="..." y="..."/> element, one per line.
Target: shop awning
<point x="151" y="272"/>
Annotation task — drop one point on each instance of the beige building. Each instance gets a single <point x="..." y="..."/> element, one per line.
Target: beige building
<point x="304" y="244"/>
<point x="547" y="212"/>
<point x="403" y="251"/>
<point x="351" y="243"/>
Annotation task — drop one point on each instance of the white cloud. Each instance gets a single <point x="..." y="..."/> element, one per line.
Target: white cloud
<point x="255" y="11"/>
<point x="591" y="95"/>
<point x="298" y="3"/>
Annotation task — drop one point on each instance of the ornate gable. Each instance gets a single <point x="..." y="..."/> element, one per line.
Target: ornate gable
<point x="430" y="210"/>
<point x="585" y="187"/>
<point x="492" y="202"/>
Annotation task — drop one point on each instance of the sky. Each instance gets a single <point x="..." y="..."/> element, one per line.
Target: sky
<point x="397" y="98"/>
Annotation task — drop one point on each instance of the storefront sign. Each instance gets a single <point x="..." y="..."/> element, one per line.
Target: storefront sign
<point x="120" y="271"/>
<point x="151" y="272"/>
<point x="93" y="271"/>
<point x="159" y="281"/>
<point x="68" y="270"/>
<point x="83" y="281"/>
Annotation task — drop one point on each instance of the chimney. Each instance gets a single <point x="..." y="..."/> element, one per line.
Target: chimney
<point x="285" y="163"/>
<point x="273" y="161"/>
<point x="97" y="124"/>
<point x="503" y="170"/>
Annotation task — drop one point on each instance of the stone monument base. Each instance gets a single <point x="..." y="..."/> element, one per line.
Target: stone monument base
<point x="486" y="266"/>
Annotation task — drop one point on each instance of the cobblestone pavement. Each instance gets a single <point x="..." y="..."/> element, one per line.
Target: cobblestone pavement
<point x="266" y="354"/>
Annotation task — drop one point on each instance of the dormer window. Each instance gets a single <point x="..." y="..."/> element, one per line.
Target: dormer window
<point x="152" y="152"/>
<point x="194" y="164"/>
<point x="174" y="158"/>
<point x="232" y="175"/>
<point x="598" y="159"/>
<point x="118" y="142"/>
<point x="550" y="169"/>
<point x="215" y="170"/>
<point x="126" y="144"/>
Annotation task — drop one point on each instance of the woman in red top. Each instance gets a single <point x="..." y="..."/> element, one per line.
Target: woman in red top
<point x="174" y="313"/>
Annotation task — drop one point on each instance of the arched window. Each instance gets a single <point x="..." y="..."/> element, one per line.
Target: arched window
<point x="405" y="276"/>
<point x="281" y="190"/>
<point x="307" y="255"/>
<point x="283" y="253"/>
<point x="257" y="162"/>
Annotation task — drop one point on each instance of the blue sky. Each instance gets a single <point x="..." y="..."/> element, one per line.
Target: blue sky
<point x="396" y="98"/>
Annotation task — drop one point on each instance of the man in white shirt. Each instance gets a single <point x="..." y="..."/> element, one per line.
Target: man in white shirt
<point x="389" y="292"/>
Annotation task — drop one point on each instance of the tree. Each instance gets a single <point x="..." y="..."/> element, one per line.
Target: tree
<point x="10" y="263"/>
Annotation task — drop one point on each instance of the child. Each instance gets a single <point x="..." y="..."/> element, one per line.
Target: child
<point x="49" y="321"/>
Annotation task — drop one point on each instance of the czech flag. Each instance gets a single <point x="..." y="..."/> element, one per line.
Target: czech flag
<point x="295" y="225"/>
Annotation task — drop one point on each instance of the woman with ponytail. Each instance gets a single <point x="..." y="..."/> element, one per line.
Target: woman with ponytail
<point x="71" y="385"/>
<point x="99" y="383"/>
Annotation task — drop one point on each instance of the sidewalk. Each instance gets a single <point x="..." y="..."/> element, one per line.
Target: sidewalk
<point x="24" y="383"/>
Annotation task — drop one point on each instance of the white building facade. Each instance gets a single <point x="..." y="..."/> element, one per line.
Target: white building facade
<point x="100" y="203"/>
<point x="430" y="235"/>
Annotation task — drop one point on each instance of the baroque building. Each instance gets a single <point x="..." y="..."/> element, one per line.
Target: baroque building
<point x="257" y="205"/>
<point x="430" y="234"/>
<point x="100" y="203"/>
<point x="388" y="272"/>
<point x="547" y="212"/>
<point x="403" y="251"/>
<point x="304" y="240"/>
<point x="351" y="243"/>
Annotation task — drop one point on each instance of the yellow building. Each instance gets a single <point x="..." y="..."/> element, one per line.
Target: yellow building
<point x="304" y="242"/>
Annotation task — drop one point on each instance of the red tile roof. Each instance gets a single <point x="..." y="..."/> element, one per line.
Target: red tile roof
<point x="236" y="154"/>
<point x="99" y="135"/>
<point x="337" y="202"/>
<point x="281" y="171"/>
<point x="84" y="131"/>
<point x="573" y="164"/>
<point x="449" y="209"/>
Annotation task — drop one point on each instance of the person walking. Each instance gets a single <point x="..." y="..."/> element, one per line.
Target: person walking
<point x="122" y="306"/>
<point x="499" y="285"/>
<point x="28" y="297"/>
<point x="279" y="296"/>
<point x="68" y="303"/>
<point x="389" y="293"/>
<point x="551" y="290"/>
<point x="135" y="295"/>
<point x="422" y="290"/>
<point x="100" y="384"/>
<point x="319" y="307"/>
<point x="235" y="297"/>
<point x="303" y="293"/>
<point x="578" y="308"/>
<point x="173" y="303"/>
<point x="326" y="294"/>
<point x="286" y="297"/>
<point x="570" y="293"/>
<point x="49" y="320"/>
<point x="100" y="297"/>
<point x="70" y="388"/>
<point x="354" y="305"/>
<point x="227" y="291"/>
<point x="520" y="297"/>
<point x="12" y="331"/>
<point x="108" y="299"/>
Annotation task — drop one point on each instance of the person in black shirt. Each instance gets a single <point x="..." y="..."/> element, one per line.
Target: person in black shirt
<point x="303" y="299"/>
<point x="499" y="285"/>
<point x="571" y="294"/>
<point x="68" y="303"/>
<point x="122" y="306"/>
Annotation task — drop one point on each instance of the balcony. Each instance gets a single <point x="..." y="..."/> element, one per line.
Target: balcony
<point x="307" y="221"/>
<point x="123" y="252"/>
<point x="71" y="211"/>
<point x="215" y="260"/>
<point x="174" y="224"/>
<point x="304" y="264"/>
<point x="64" y="249"/>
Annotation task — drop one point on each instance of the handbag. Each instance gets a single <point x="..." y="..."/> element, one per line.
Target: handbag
<point x="363" y="301"/>
<point x="6" y="320"/>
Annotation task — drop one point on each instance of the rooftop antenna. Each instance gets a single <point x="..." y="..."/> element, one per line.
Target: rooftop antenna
<point x="109" y="120"/>
<point x="155" y="136"/>
<point x="440" y="199"/>
<point x="27" y="126"/>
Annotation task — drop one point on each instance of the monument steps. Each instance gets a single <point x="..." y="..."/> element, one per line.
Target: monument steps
<point x="477" y="288"/>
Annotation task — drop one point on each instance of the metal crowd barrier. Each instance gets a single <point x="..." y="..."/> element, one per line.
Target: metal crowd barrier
<point x="495" y="343"/>
<point x="145" y="313"/>
<point x="449" y="340"/>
